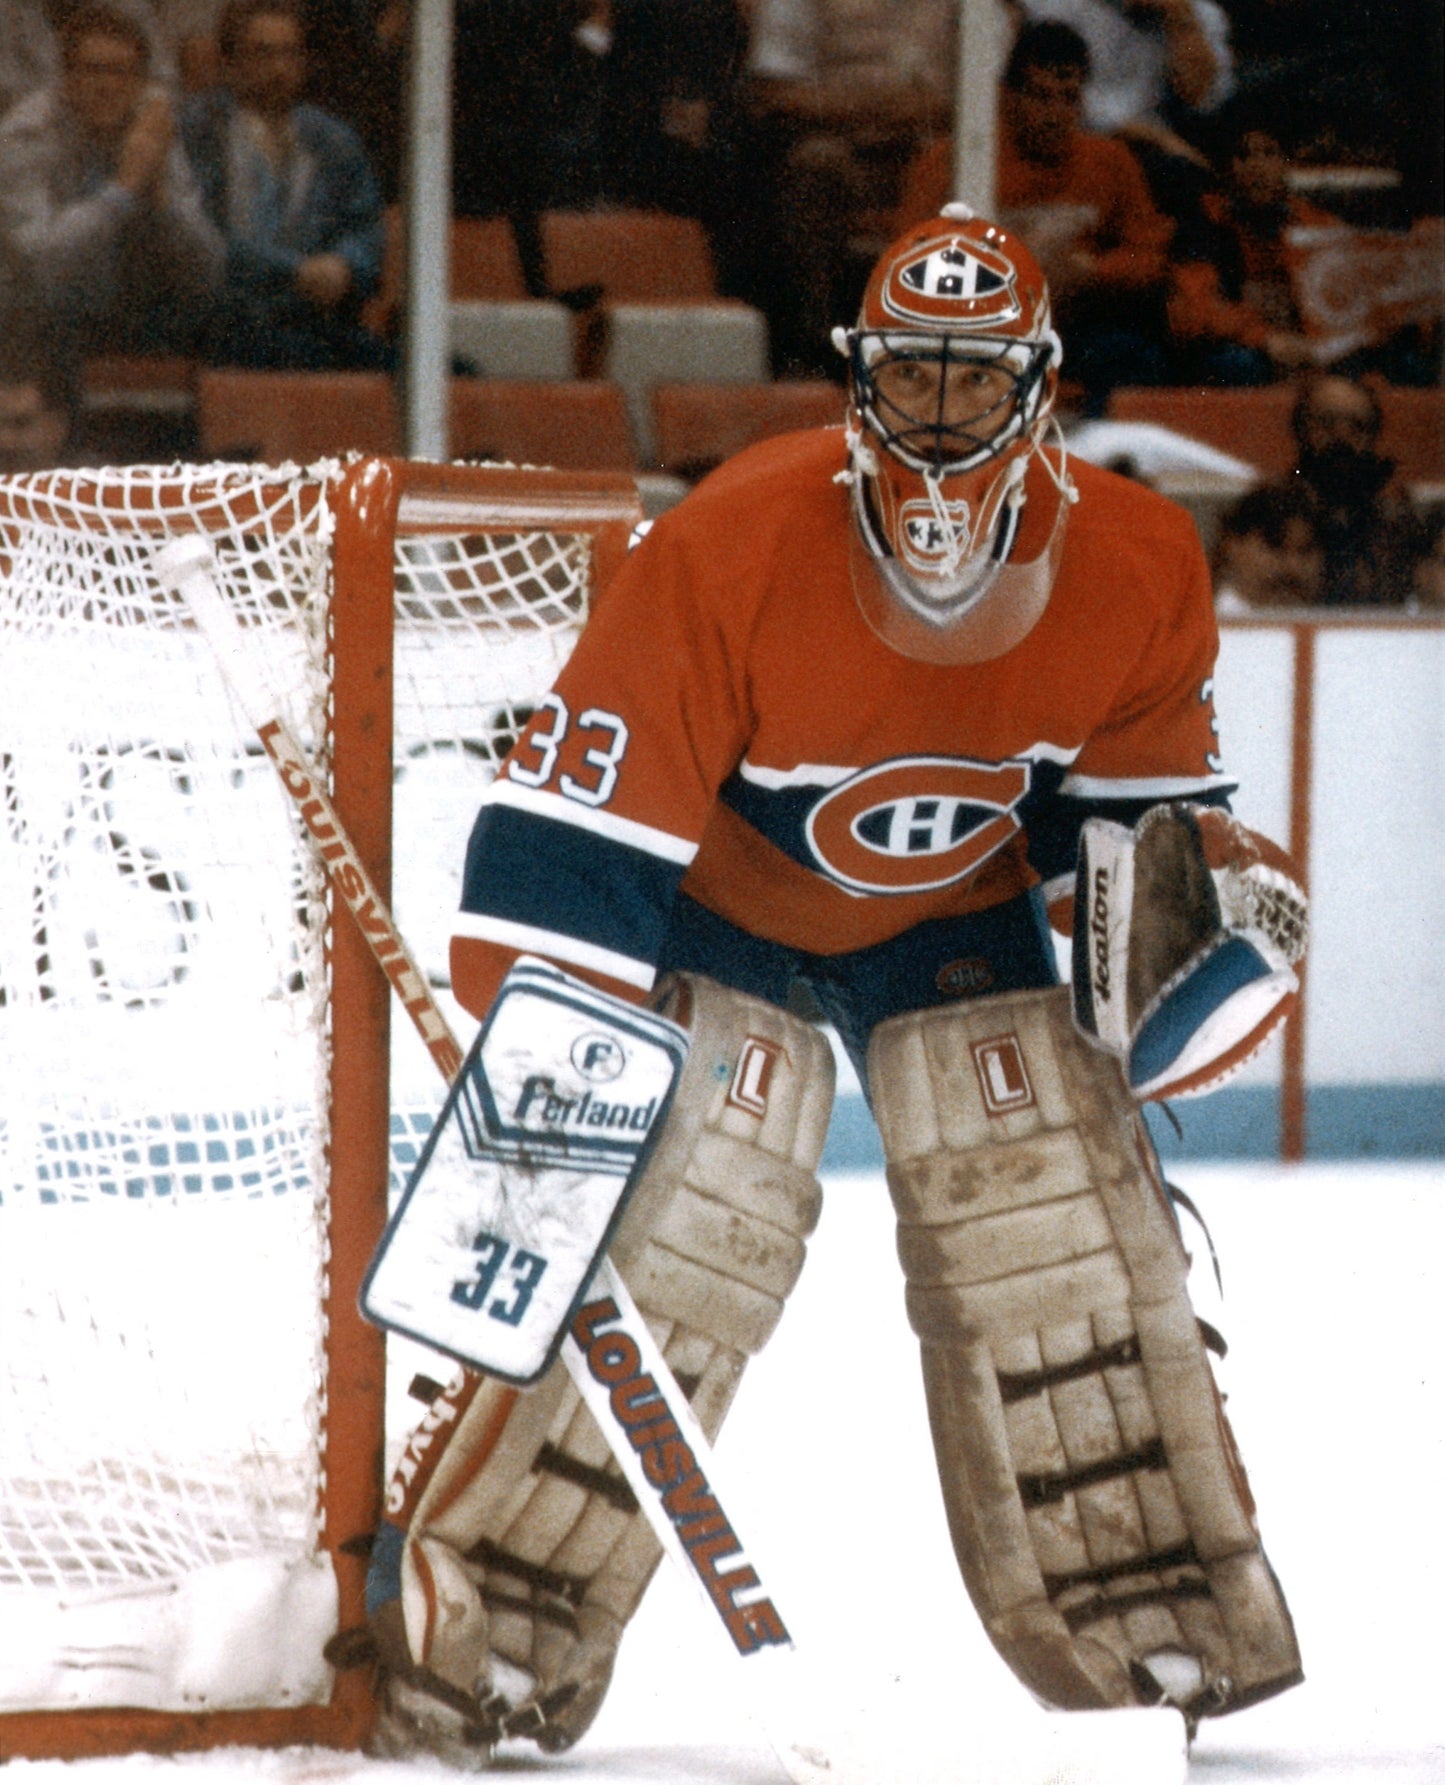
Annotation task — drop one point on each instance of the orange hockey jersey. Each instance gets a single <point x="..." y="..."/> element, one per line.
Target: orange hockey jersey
<point x="730" y="725"/>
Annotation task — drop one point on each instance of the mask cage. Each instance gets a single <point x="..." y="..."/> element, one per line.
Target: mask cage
<point x="934" y="446"/>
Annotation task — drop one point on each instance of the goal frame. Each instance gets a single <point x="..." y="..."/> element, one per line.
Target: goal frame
<point x="374" y="502"/>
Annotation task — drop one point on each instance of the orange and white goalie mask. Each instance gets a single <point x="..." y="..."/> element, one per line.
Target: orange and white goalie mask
<point x="953" y="370"/>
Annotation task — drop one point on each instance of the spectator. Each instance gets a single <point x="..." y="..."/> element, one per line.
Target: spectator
<point x="1233" y="312"/>
<point x="842" y="94"/>
<point x="1083" y="206"/>
<point x="36" y="402"/>
<point x="293" y="193"/>
<point x="673" y="132"/>
<point x="527" y="142"/>
<point x="29" y="53"/>
<point x="1159" y="71"/>
<point x="30" y="44"/>
<point x="1347" y="85"/>
<point x="1367" y="522"/>
<point x="99" y="209"/>
<point x="627" y="102"/>
<point x="1269" y="552"/>
<point x="356" y="70"/>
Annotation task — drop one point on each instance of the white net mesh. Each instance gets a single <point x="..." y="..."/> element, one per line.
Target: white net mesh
<point x="164" y="1018"/>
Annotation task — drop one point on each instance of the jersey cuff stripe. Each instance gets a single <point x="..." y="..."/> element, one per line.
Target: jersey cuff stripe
<point x="1162" y="787"/>
<point x="556" y="806"/>
<point x="473" y="927"/>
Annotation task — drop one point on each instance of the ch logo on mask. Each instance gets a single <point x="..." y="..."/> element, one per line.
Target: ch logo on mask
<point x="917" y="823"/>
<point x="926" y="543"/>
<point x="952" y="282"/>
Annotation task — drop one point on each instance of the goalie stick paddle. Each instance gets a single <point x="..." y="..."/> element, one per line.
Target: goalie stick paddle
<point x="608" y="1345"/>
<point x="525" y="1174"/>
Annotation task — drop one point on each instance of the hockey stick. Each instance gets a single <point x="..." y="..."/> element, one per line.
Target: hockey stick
<point x="609" y="1344"/>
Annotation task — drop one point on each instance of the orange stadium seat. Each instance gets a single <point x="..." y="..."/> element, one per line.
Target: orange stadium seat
<point x="573" y="424"/>
<point x="300" y="416"/>
<point x="495" y="327"/>
<point x="136" y="407"/>
<point x="162" y="378"/>
<point x="485" y="261"/>
<point x="697" y="426"/>
<point x="1253" y="423"/>
<point x="662" y="320"/>
<point x="633" y="256"/>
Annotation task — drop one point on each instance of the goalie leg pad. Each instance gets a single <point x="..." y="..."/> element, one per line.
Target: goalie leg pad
<point x="1098" y="1509"/>
<point x="524" y="1553"/>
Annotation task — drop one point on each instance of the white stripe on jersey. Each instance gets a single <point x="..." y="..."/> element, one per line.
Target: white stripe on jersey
<point x="530" y="940"/>
<point x="558" y="807"/>
<point x="806" y="774"/>
<point x="823" y="774"/>
<point x="1163" y="787"/>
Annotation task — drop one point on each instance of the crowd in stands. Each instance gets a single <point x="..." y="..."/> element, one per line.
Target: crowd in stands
<point x="238" y="223"/>
<point x="1223" y="192"/>
<point x="1340" y="530"/>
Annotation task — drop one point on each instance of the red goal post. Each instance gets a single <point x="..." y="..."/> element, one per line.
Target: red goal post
<point x="172" y="979"/>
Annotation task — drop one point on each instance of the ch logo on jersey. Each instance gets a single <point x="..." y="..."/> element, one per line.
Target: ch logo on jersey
<point x="1002" y="1076"/>
<point x="961" y="281"/>
<point x="916" y="823"/>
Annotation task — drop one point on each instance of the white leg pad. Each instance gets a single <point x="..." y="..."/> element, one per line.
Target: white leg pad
<point x="526" y="1498"/>
<point x="1099" y="1512"/>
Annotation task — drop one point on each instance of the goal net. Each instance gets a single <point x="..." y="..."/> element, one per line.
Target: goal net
<point x="202" y="1106"/>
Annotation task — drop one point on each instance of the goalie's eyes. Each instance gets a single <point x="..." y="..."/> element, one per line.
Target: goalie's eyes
<point x="969" y="394"/>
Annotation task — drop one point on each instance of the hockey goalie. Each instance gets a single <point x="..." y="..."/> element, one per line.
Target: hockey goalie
<point x="857" y="718"/>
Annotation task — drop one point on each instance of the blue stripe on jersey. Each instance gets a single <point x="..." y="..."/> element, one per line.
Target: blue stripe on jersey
<point x="779" y="813"/>
<point x="1052" y="817"/>
<point x="1054" y="820"/>
<point x="532" y="870"/>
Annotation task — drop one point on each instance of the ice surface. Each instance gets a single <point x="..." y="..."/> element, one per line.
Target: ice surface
<point x="1335" y="1379"/>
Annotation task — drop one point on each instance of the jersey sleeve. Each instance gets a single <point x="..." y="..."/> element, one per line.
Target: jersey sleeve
<point x="581" y="842"/>
<point x="1160" y="738"/>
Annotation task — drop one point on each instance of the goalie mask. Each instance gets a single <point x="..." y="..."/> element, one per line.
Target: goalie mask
<point x="953" y="370"/>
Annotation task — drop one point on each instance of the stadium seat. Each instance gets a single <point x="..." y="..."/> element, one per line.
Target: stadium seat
<point x="494" y="326"/>
<point x="719" y="341"/>
<point x="1253" y="423"/>
<point x="136" y="407"/>
<point x="298" y="416"/>
<point x="485" y="261"/>
<point x="512" y="337"/>
<point x="497" y="327"/>
<point x="697" y="426"/>
<point x="145" y="380"/>
<point x="631" y="256"/>
<point x="575" y="425"/>
<point x="664" y="322"/>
